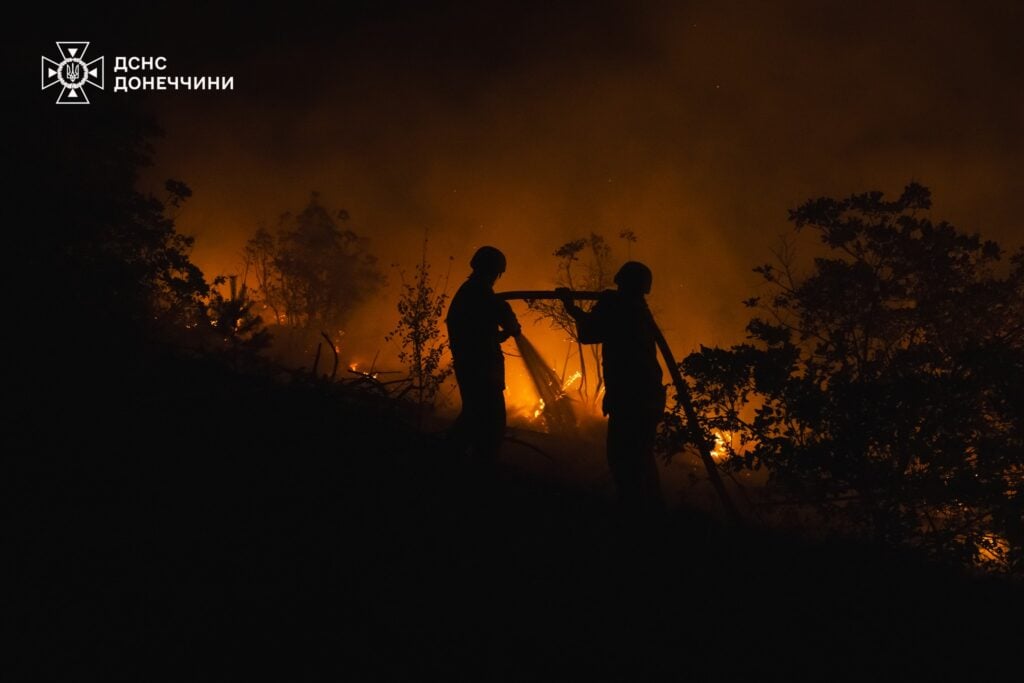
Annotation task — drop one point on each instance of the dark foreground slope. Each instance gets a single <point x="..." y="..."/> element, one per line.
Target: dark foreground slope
<point x="179" y="522"/>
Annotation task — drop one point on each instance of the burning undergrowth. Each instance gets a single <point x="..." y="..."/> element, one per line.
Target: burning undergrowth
<point x="554" y="405"/>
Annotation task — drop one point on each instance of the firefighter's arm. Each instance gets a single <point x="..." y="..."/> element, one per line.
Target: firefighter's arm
<point x="591" y="326"/>
<point x="570" y="305"/>
<point x="510" y="326"/>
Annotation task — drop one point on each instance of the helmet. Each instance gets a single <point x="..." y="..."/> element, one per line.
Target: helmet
<point x="488" y="260"/>
<point x="634" y="278"/>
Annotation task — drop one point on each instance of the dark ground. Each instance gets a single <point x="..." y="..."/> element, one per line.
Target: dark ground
<point x="178" y="522"/>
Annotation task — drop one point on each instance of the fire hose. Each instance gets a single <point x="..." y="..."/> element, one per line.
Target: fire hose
<point x="697" y="434"/>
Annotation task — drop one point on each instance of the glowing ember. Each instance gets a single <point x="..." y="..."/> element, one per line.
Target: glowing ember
<point x="354" y="367"/>
<point x="571" y="380"/>
<point x="539" y="410"/>
<point x="993" y="548"/>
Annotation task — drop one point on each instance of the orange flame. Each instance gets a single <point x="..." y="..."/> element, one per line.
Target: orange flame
<point x="722" y="442"/>
<point x="571" y="380"/>
<point x="539" y="410"/>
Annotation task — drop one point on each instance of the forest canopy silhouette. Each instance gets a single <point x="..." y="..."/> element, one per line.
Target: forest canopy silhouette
<point x="881" y="387"/>
<point x="311" y="273"/>
<point x="231" y="443"/>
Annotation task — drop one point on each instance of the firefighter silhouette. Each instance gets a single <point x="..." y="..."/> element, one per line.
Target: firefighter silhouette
<point x="634" y="399"/>
<point x="478" y="322"/>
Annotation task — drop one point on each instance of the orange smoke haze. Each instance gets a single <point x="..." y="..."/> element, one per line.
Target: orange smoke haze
<point x="696" y="127"/>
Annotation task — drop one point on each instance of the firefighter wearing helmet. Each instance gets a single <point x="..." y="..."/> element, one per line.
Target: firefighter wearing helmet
<point x="634" y="398"/>
<point x="478" y="322"/>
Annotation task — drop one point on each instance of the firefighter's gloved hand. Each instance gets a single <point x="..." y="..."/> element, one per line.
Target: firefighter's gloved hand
<point x="565" y="294"/>
<point x="508" y="332"/>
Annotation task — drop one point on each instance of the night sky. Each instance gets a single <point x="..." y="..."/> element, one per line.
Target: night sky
<point x="696" y="125"/>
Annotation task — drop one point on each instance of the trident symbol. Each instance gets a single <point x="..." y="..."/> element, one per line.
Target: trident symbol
<point x="72" y="72"/>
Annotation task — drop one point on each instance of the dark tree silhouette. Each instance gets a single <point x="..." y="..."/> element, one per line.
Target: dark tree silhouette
<point x="154" y="258"/>
<point x="423" y="343"/>
<point x="101" y="250"/>
<point x="310" y="272"/>
<point x="884" y="387"/>
<point x="237" y="328"/>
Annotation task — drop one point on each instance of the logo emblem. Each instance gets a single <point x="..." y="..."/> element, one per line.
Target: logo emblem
<point x="72" y="73"/>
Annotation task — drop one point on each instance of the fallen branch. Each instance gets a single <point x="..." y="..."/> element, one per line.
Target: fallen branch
<point x="334" y="350"/>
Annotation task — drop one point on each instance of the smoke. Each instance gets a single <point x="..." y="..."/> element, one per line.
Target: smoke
<point x="694" y="125"/>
